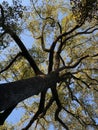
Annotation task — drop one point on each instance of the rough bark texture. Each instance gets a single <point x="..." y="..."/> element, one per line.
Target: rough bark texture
<point x="14" y="92"/>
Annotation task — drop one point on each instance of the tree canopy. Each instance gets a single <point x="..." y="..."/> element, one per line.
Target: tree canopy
<point x="61" y="67"/>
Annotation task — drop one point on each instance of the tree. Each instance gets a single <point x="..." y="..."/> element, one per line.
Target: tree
<point x="69" y="41"/>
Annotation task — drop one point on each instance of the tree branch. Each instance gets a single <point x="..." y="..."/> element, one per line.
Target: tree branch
<point x="42" y="41"/>
<point x="80" y="33"/>
<point x="73" y="66"/>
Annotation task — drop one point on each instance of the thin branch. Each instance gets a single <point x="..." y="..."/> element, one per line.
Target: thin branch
<point x="67" y="33"/>
<point x="42" y="41"/>
<point x="81" y="81"/>
<point x="90" y="77"/>
<point x="83" y="106"/>
<point x="61" y="41"/>
<point x="43" y="44"/>
<point x="77" y="63"/>
<point x="62" y="60"/>
<point x="80" y="33"/>
<point x="7" y="67"/>
<point x="73" y="66"/>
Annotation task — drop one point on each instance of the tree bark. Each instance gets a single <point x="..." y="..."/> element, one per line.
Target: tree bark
<point x="15" y="92"/>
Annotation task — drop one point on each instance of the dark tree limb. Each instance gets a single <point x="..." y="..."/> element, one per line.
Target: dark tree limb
<point x="42" y="41"/>
<point x="62" y="60"/>
<point x="59" y="108"/>
<point x="87" y="31"/>
<point x="51" y="54"/>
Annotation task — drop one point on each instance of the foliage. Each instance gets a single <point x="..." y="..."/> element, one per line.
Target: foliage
<point x="65" y="38"/>
<point x="85" y="9"/>
<point x="12" y="18"/>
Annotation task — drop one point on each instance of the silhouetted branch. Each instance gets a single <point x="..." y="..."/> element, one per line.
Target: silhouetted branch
<point x="80" y="33"/>
<point x="74" y="65"/>
<point x="42" y="41"/>
<point x="77" y="63"/>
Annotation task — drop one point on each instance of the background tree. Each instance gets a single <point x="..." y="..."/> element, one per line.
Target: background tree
<point x="66" y="51"/>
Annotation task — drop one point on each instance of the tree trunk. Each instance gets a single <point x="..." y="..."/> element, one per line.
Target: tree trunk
<point x="14" y="92"/>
